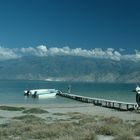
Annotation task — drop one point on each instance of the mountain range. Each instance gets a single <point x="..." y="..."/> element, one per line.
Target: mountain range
<point x="70" y="68"/>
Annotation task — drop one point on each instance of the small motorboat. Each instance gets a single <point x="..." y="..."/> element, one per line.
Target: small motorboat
<point x="41" y="93"/>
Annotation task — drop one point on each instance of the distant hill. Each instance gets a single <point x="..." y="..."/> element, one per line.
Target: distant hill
<point x="70" y="68"/>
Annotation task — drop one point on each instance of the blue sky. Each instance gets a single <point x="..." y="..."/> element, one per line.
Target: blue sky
<point x="85" y="24"/>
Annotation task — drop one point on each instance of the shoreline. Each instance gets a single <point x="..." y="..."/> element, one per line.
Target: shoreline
<point x="84" y="108"/>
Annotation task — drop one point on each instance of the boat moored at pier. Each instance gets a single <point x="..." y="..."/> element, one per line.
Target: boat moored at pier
<point x="41" y="93"/>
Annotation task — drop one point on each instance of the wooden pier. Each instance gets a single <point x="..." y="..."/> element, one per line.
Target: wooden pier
<point x="102" y="102"/>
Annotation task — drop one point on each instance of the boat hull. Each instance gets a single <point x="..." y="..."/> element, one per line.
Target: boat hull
<point x="43" y="96"/>
<point x="41" y="93"/>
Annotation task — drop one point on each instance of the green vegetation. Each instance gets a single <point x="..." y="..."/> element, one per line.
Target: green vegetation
<point x="35" y="111"/>
<point x="11" y="108"/>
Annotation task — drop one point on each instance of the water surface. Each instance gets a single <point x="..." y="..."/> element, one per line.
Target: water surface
<point x="11" y="91"/>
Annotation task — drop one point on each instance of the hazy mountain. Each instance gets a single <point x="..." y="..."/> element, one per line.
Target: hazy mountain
<point x="70" y="68"/>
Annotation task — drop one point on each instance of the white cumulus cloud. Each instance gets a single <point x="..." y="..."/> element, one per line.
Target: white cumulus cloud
<point x="44" y="51"/>
<point x="6" y="53"/>
<point x="41" y="50"/>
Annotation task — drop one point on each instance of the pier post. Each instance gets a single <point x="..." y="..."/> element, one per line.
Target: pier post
<point x="120" y="105"/>
<point x="127" y="106"/>
<point x="113" y="104"/>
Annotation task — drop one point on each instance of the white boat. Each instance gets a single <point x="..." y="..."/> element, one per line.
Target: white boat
<point x="41" y="93"/>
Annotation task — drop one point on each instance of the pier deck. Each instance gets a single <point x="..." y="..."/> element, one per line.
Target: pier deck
<point x="101" y="102"/>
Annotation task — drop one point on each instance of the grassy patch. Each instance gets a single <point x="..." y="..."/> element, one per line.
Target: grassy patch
<point x="113" y="120"/>
<point x="85" y="128"/>
<point x="77" y="116"/>
<point x="59" y="131"/>
<point x="136" y="128"/>
<point x="3" y="125"/>
<point x="86" y="119"/>
<point x="59" y="114"/>
<point x="29" y="119"/>
<point x="73" y="113"/>
<point x="35" y="111"/>
<point x="105" y="130"/>
<point x="124" y="136"/>
<point x="11" y="108"/>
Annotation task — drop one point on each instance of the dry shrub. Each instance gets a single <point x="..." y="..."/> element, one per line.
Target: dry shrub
<point x="76" y="116"/>
<point x="105" y="130"/>
<point x="82" y="118"/>
<point x="113" y="120"/>
<point x="87" y="120"/>
<point x="73" y="113"/>
<point x="113" y="128"/>
<point x="136" y="128"/>
<point x="11" y="108"/>
<point x="124" y="136"/>
<point x="14" y="128"/>
<point x="62" y="131"/>
<point x="35" y="111"/>
<point x="75" y="132"/>
<point x="32" y="127"/>
<point x="32" y="119"/>
<point x="20" y="129"/>
<point x="59" y="114"/>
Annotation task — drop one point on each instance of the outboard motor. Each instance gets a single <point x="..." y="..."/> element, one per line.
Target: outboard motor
<point x="26" y="93"/>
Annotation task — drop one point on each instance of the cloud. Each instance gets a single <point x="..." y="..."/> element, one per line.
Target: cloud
<point x="6" y="53"/>
<point x="41" y="50"/>
<point x="26" y="51"/>
<point x="44" y="51"/>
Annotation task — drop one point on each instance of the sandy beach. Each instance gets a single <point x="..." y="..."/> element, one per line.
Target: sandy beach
<point x="69" y="114"/>
<point x="83" y="108"/>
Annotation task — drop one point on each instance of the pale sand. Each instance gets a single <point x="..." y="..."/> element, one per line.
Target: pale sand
<point x="95" y="110"/>
<point x="83" y="108"/>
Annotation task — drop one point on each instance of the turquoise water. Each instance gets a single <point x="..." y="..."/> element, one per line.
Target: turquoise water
<point x="11" y="91"/>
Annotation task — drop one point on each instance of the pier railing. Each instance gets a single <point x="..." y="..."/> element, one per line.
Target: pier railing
<point x="101" y="102"/>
